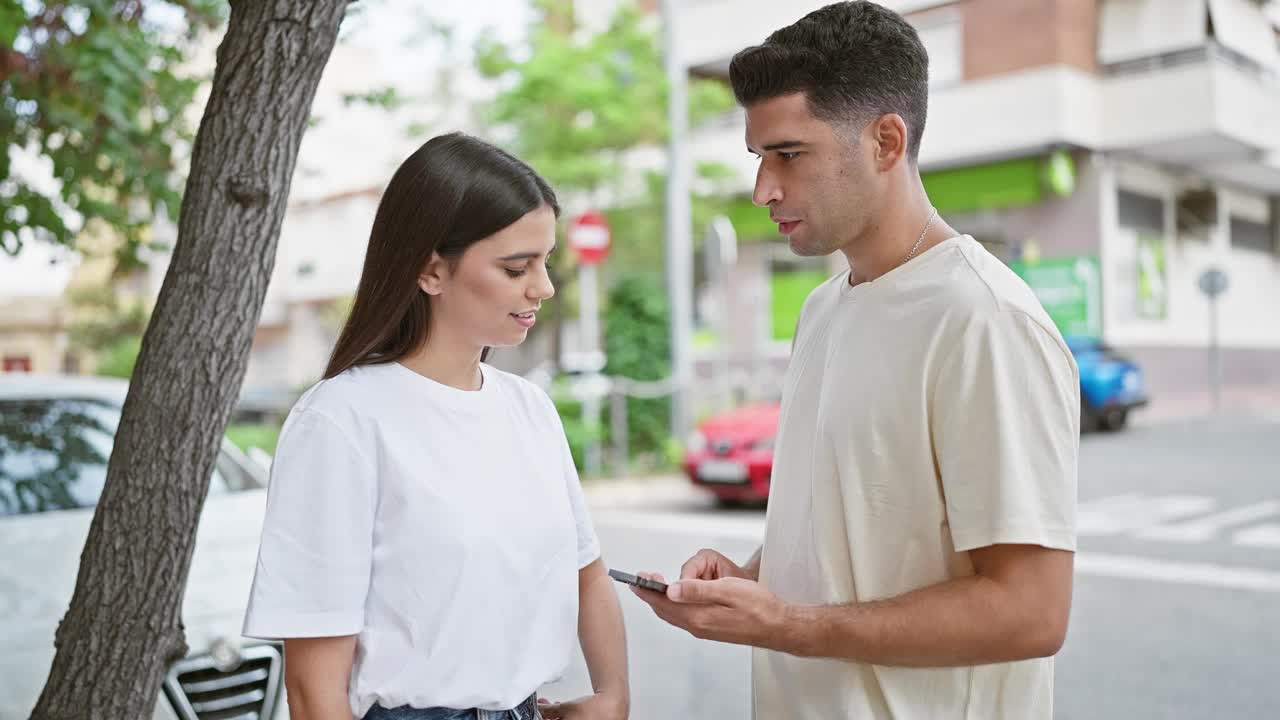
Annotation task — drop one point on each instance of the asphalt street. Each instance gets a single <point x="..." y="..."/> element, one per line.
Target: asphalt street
<point x="1177" y="596"/>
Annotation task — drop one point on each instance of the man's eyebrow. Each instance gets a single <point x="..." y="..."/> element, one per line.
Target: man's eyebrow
<point x="778" y="146"/>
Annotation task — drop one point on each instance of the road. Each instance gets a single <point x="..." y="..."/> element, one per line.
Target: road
<point x="1177" y="597"/>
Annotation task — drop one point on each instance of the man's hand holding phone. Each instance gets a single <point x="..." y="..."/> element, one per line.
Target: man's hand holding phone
<point x="711" y="565"/>
<point x="716" y="599"/>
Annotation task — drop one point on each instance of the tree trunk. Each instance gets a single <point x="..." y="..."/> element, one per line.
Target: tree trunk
<point x="124" y="625"/>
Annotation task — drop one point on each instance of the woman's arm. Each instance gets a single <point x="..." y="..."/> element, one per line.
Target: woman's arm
<point x="603" y="639"/>
<point x="317" y="672"/>
<point x="604" y="645"/>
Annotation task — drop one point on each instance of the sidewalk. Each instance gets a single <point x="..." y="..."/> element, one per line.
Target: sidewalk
<point x="605" y="493"/>
<point x="1259" y="402"/>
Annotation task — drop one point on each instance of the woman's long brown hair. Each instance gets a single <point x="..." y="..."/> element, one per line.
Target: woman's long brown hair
<point x="450" y="193"/>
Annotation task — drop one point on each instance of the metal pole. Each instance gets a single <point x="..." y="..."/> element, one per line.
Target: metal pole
<point x="679" y="224"/>
<point x="618" y="421"/>
<point x="1215" y="356"/>
<point x="588" y="306"/>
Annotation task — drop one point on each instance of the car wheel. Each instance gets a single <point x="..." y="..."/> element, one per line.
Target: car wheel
<point x="1089" y="421"/>
<point x="1115" y="419"/>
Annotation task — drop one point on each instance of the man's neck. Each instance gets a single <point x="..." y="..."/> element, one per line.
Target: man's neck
<point x="894" y="240"/>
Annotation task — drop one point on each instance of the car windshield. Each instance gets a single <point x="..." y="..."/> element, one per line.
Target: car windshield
<point x="54" y="452"/>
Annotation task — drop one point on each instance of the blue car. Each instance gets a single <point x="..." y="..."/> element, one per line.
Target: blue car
<point x="1110" y="384"/>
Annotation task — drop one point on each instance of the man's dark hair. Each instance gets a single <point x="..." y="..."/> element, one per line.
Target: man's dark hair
<point x="854" y="61"/>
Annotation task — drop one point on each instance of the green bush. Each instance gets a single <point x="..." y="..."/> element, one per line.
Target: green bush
<point x="260" y="435"/>
<point x="578" y="432"/>
<point x="638" y="346"/>
<point x="119" y="358"/>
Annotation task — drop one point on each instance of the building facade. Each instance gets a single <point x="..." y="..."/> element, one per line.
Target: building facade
<point x="1110" y="150"/>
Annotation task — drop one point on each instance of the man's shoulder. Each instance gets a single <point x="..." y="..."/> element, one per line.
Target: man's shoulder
<point x="983" y="288"/>
<point x="826" y="293"/>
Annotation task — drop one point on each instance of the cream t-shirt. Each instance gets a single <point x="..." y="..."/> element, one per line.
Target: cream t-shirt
<point x="929" y="412"/>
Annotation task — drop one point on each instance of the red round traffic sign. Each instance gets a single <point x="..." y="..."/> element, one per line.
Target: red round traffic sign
<point x="588" y="236"/>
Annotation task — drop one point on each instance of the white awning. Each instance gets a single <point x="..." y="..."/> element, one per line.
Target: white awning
<point x="1242" y="26"/>
<point x="1134" y="29"/>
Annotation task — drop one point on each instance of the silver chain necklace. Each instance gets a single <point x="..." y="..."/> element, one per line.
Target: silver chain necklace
<point x="916" y="247"/>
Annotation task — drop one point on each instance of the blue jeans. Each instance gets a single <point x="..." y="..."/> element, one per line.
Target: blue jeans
<point x="527" y="710"/>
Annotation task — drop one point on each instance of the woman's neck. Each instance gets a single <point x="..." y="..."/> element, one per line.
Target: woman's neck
<point x="447" y="363"/>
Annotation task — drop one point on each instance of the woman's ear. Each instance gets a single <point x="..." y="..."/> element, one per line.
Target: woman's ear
<point x="434" y="275"/>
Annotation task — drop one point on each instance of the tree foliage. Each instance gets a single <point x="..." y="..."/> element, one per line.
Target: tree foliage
<point x="94" y="91"/>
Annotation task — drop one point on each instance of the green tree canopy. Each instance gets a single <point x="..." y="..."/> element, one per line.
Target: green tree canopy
<point x="97" y="88"/>
<point x="576" y="101"/>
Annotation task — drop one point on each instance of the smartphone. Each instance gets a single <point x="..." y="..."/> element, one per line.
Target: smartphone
<point x="640" y="582"/>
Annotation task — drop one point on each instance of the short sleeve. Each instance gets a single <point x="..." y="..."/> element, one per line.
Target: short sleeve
<point x="1006" y="433"/>
<point x="588" y="543"/>
<point x="317" y="537"/>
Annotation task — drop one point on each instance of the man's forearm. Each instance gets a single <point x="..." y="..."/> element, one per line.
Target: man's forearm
<point x="965" y="621"/>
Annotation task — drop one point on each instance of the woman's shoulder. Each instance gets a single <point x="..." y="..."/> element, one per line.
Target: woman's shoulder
<point x="521" y="390"/>
<point x="344" y="397"/>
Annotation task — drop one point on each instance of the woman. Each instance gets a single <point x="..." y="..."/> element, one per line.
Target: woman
<point x="426" y="553"/>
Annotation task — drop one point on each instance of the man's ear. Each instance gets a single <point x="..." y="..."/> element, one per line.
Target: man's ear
<point x="434" y="275"/>
<point x="890" y="135"/>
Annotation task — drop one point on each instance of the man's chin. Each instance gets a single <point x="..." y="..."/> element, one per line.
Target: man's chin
<point x="804" y="248"/>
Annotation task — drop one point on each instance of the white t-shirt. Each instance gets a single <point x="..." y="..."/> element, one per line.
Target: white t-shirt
<point x="445" y="527"/>
<point x="929" y="412"/>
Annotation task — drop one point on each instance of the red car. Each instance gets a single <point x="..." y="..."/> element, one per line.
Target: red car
<point x="731" y="454"/>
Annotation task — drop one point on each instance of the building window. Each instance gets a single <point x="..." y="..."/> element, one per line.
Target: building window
<point x="1131" y="30"/>
<point x="1141" y="212"/>
<point x="1143" y="275"/>
<point x="943" y="38"/>
<point x="1249" y="235"/>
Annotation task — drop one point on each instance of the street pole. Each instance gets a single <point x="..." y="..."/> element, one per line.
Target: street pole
<point x="679" y="222"/>
<point x="589" y="321"/>
<point x="720" y="252"/>
<point x="1215" y="356"/>
<point x="1213" y="282"/>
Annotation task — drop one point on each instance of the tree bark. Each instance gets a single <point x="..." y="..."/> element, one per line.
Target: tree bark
<point x="124" y="624"/>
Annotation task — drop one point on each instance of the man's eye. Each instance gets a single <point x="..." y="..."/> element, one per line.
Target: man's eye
<point x="788" y="156"/>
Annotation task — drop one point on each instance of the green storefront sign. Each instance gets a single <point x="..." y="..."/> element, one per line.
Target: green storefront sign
<point x="1070" y="289"/>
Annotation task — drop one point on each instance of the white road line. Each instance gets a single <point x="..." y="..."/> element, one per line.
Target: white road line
<point x="1205" y="528"/>
<point x="1128" y="513"/>
<point x="1205" y="574"/>
<point x="1266" y="535"/>
<point x="751" y="528"/>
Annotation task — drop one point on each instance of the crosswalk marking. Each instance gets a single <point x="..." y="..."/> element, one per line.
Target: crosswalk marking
<point x="1206" y="528"/>
<point x="1132" y="512"/>
<point x="698" y="527"/>
<point x="1266" y="535"/>
<point x="1161" y="518"/>
<point x="1204" y="574"/>
<point x="1179" y="518"/>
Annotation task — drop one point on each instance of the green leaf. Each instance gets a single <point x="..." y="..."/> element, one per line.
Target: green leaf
<point x="105" y="104"/>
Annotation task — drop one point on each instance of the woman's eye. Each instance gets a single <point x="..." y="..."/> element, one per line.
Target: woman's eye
<point x="514" y="273"/>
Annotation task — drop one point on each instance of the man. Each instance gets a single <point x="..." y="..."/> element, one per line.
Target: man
<point x="919" y="544"/>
